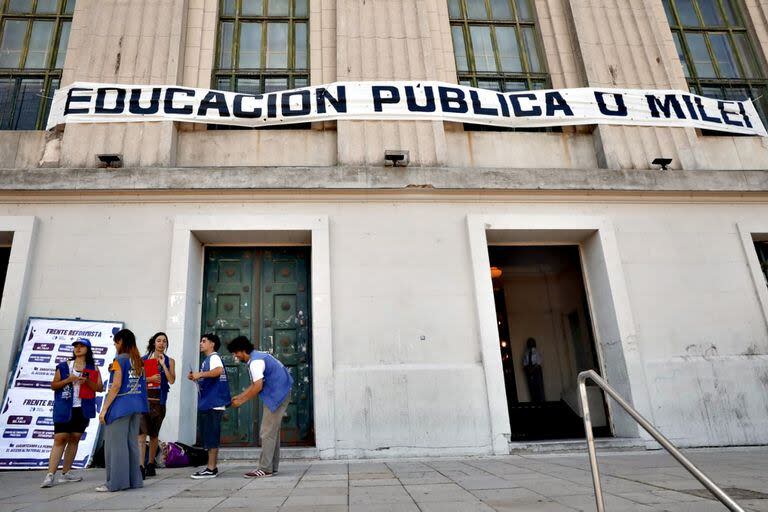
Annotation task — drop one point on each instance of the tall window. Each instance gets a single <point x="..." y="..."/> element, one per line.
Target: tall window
<point x="714" y="46"/>
<point x="496" y="45"/>
<point x="263" y="45"/>
<point x="33" y="44"/>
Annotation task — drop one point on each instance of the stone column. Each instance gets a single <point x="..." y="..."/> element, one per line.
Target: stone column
<point x="124" y="42"/>
<point x="628" y="44"/>
<point x="391" y="40"/>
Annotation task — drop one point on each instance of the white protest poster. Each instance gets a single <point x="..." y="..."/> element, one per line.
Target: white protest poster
<point x="83" y="102"/>
<point x="26" y="419"/>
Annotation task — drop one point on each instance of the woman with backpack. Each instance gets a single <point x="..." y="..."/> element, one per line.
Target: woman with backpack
<point x="123" y="406"/>
<point x="74" y="404"/>
<point x="158" y="386"/>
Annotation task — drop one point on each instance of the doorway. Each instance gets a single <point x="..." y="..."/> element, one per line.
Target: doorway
<point x="546" y="339"/>
<point x="262" y="293"/>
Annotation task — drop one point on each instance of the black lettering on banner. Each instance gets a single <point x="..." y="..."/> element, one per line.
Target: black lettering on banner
<point x="452" y="96"/>
<point x="237" y="108"/>
<point x="339" y="104"/>
<point x="743" y="112"/>
<point x="101" y="96"/>
<point x="306" y="105"/>
<point x="71" y="98"/>
<point x="272" y="106"/>
<point x="703" y="113"/>
<point x="503" y="104"/>
<point x="621" y="107"/>
<point x="670" y="103"/>
<point x="555" y="101"/>
<point x="478" y="108"/>
<point x="168" y="106"/>
<point x="534" y="111"/>
<point x="724" y="113"/>
<point x="134" y="104"/>
<point x="216" y="100"/>
<point x="689" y="105"/>
<point x="378" y="98"/>
<point x="413" y="106"/>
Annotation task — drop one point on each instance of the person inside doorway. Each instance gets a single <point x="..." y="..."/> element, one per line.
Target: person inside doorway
<point x="73" y="408"/>
<point x="533" y="373"/>
<point x="214" y="399"/>
<point x="272" y="382"/>
<point x="158" y="386"/>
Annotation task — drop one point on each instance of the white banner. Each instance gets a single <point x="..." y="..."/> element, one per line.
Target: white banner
<point x="26" y="420"/>
<point x="394" y="100"/>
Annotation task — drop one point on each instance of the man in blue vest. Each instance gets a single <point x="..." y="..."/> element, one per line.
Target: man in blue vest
<point x="212" y="401"/>
<point x="272" y="382"/>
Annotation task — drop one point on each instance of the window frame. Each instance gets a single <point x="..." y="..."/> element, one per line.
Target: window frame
<point x="50" y="75"/>
<point x="531" y="78"/>
<point x="755" y="86"/>
<point x="290" y="73"/>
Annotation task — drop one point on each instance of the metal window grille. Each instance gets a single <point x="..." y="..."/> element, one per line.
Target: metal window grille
<point x="716" y="51"/>
<point x="33" y="44"/>
<point x="262" y="45"/>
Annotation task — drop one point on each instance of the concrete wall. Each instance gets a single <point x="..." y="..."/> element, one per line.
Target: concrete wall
<point x="173" y="41"/>
<point x="401" y="270"/>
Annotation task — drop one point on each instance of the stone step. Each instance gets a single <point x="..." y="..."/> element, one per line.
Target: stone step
<point x="253" y="453"/>
<point x="577" y="445"/>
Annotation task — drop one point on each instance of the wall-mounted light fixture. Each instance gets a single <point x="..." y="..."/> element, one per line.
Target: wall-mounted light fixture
<point x="663" y="162"/>
<point x="109" y="160"/>
<point x="396" y="157"/>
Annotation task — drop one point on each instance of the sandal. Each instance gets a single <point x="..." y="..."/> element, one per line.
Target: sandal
<point x="257" y="473"/>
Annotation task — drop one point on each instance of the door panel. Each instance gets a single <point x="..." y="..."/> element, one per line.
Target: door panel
<point x="262" y="294"/>
<point x="228" y="312"/>
<point x="285" y="319"/>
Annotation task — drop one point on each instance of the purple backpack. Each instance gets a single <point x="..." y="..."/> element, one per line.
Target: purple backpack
<point x="175" y="456"/>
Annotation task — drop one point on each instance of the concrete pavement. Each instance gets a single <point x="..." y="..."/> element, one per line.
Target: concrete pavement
<point x="633" y="481"/>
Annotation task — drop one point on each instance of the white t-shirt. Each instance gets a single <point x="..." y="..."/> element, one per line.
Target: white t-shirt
<point x="76" y="400"/>
<point x="216" y="363"/>
<point x="256" y="369"/>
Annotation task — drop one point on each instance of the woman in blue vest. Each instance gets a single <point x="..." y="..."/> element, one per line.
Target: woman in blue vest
<point x="213" y="399"/>
<point x="271" y="381"/>
<point x="71" y="413"/>
<point x="121" y="413"/>
<point x="157" y="394"/>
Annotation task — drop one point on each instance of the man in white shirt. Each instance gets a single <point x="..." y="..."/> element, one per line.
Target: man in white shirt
<point x="272" y="382"/>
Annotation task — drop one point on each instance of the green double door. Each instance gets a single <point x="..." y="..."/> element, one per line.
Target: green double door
<point x="262" y="293"/>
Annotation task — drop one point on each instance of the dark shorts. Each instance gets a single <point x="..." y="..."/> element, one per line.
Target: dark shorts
<point x="210" y="428"/>
<point x="152" y="421"/>
<point x="76" y="424"/>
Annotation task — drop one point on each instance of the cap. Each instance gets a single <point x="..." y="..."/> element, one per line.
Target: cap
<point x="82" y="341"/>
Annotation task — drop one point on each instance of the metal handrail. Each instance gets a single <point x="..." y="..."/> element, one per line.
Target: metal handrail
<point x="663" y="441"/>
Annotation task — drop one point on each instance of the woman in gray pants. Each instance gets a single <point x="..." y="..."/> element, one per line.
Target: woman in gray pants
<point x="121" y="413"/>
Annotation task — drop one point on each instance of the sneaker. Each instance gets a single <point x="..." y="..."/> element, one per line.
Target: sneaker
<point x="151" y="470"/>
<point x="48" y="481"/>
<point x="206" y="473"/>
<point x="102" y="488"/>
<point x="69" y="476"/>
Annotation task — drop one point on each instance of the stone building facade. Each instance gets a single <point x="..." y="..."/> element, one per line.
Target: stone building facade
<point x="399" y="343"/>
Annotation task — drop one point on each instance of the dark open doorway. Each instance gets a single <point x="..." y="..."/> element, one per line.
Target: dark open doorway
<point x="546" y="339"/>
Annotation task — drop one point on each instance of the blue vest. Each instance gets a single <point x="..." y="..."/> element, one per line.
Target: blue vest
<point x="63" y="398"/>
<point x="164" y="386"/>
<point x="214" y="392"/>
<point x="132" y="397"/>
<point x="277" y="380"/>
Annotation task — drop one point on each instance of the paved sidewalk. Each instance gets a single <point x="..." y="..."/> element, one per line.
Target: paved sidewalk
<point x="633" y="481"/>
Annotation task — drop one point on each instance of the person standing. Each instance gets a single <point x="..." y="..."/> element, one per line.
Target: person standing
<point x="533" y="372"/>
<point x="271" y="381"/>
<point x="123" y="406"/>
<point x="72" y="412"/>
<point x="157" y="394"/>
<point x="213" y="399"/>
